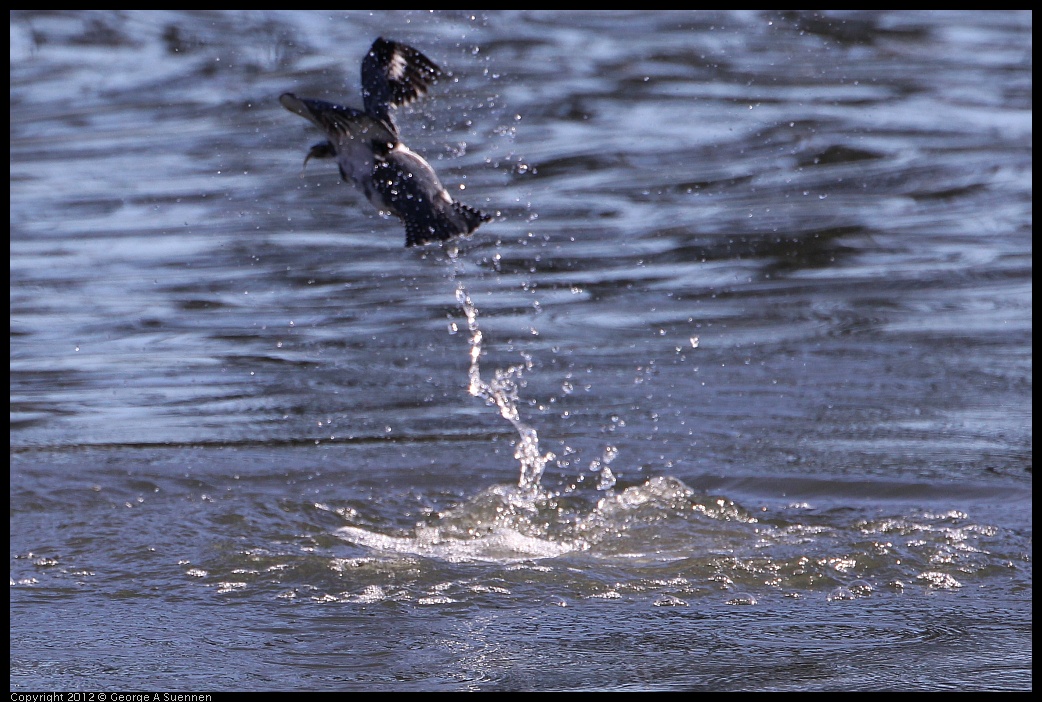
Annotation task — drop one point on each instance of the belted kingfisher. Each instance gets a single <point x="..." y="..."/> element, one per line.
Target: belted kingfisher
<point x="369" y="153"/>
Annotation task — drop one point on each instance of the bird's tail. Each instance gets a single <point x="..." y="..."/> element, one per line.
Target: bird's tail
<point x="443" y="224"/>
<point x="472" y="218"/>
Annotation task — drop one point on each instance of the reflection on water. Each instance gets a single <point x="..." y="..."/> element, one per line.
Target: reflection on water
<point x="743" y="367"/>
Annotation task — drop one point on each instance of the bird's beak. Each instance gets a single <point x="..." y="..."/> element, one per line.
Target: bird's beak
<point x="321" y="150"/>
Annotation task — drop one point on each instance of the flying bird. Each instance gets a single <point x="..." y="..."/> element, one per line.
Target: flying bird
<point x="369" y="153"/>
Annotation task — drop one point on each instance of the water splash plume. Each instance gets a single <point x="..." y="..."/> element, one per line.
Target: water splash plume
<point x="501" y="392"/>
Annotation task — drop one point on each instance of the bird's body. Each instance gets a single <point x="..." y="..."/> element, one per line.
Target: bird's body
<point x="370" y="155"/>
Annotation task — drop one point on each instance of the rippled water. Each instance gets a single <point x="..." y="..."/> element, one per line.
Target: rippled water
<point x="734" y="393"/>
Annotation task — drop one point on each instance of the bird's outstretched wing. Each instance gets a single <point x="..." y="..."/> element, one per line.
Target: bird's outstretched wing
<point x="333" y="119"/>
<point x="393" y="75"/>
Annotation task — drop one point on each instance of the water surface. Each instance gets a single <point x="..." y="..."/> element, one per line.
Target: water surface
<point x="734" y="393"/>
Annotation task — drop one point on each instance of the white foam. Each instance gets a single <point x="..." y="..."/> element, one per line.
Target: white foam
<point x="501" y="545"/>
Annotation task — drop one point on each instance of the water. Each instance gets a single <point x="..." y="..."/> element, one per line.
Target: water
<point x="734" y="393"/>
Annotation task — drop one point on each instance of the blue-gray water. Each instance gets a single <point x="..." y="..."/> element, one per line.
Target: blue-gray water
<point x="756" y="303"/>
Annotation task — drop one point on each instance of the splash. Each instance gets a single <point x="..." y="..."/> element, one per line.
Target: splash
<point x="509" y="524"/>
<point x="501" y="392"/>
